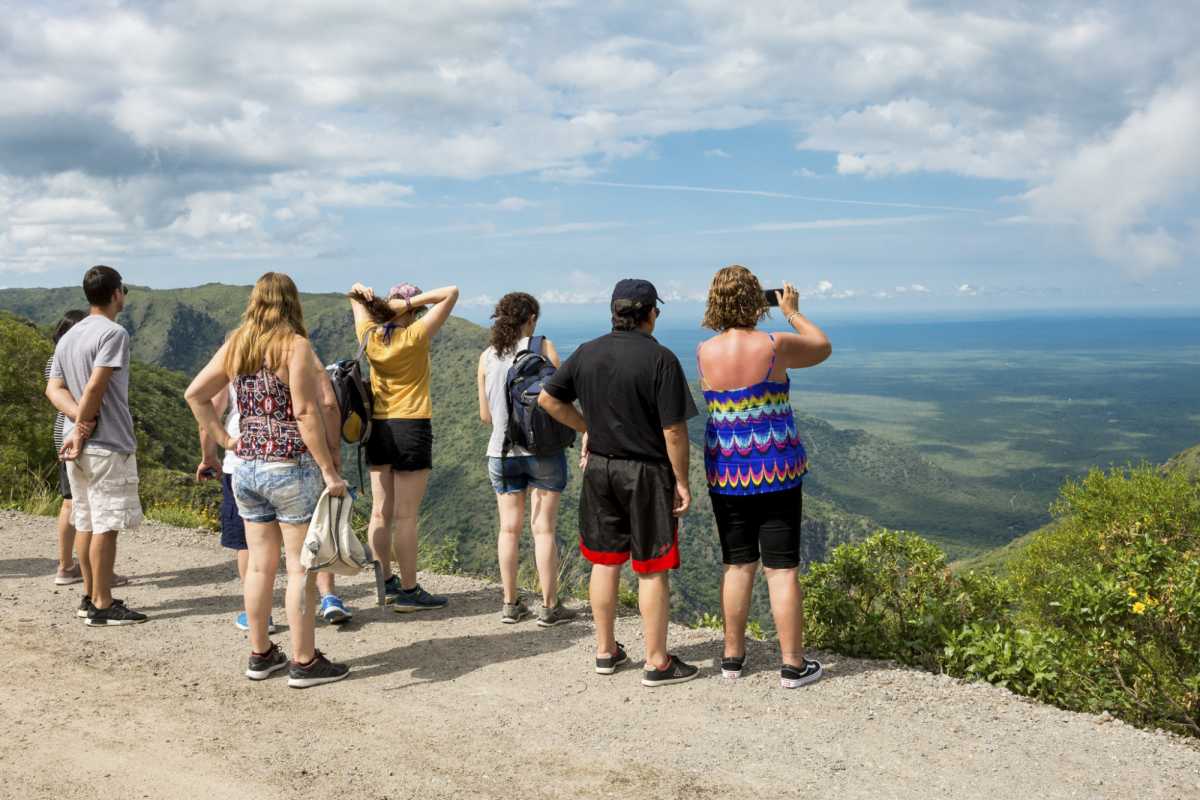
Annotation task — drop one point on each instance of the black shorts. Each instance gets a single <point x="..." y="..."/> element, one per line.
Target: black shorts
<point x="405" y="445"/>
<point x="770" y="521"/>
<point x="64" y="485"/>
<point x="625" y="509"/>
<point x="233" y="527"/>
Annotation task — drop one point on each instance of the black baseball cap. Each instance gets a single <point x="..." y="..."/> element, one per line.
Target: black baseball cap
<point x="636" y="290"/>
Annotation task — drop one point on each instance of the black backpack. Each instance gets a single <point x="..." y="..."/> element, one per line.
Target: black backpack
<point x="355" y="403"/>
<point x="529" y="427"/>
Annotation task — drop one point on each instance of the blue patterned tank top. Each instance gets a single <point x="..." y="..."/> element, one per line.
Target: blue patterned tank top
<point x="751" y="442"/>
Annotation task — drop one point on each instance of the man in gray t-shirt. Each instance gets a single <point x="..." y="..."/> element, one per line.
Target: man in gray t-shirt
<point x="97" y="341"/>
<point x="89" y="384"/>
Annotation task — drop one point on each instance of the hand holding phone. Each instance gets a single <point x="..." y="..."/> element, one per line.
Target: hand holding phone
<point x="772" y="296"/>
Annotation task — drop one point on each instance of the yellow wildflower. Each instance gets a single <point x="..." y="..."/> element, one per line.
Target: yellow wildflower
<point x="1132" y="592"/>
<point x="1138" y="608"/>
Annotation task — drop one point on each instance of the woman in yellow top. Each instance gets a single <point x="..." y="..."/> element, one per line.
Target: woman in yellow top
<point x="398" y="331"/>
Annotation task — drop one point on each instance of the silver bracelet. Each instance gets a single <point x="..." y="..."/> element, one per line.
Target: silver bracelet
<point x="793" y="314"/>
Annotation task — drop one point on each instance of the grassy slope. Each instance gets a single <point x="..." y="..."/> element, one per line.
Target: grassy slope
<point x="997" y="560"/>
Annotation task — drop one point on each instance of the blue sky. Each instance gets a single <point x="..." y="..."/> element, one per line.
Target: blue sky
<point x="886" y="156"/>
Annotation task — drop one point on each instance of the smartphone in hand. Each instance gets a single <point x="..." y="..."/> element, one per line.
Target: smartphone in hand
<point x="771" y="296"/>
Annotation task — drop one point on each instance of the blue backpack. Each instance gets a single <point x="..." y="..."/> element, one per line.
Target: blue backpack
<point x="529" y="427"/>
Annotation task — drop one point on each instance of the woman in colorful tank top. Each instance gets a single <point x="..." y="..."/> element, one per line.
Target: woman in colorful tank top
<point x="755" y="461"/>
<point x="286" y="450"/>
<point x="396" y="332"/>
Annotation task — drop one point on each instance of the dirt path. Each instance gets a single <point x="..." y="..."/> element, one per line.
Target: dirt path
<point x="453" y="704"/>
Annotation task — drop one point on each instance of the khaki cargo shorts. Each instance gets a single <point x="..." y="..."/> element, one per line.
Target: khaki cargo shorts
<point x="104" y="486"/>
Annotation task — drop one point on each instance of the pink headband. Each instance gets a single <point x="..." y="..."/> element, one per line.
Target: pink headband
<point x="403" y="291"/>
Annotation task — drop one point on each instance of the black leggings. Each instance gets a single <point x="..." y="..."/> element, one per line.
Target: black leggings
<point x="769" y="522"/>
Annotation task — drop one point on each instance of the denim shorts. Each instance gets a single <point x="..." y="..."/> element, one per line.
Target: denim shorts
<point x="287" y="491"/>
<point x="518" y="473"/>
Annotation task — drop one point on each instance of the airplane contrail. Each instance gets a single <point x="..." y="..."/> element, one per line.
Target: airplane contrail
<point x="667" y="187"/>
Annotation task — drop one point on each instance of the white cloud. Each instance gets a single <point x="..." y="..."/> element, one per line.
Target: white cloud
<point x="513" y="204"/>
<point x="187" y="121"/>
<point x="1113" y="186"/>
<point x="478" y="301"/>
<point x="804" y="172"/>
<point x="967" y="290"/>
<point x="716" y="152"/>
<point x="911" y="135"/>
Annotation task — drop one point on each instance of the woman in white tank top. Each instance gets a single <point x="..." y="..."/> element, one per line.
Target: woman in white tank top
<point x="515" y="473"/>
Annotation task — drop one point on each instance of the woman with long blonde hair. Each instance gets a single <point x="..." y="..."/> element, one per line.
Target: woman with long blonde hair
<point x="287" y="456"/>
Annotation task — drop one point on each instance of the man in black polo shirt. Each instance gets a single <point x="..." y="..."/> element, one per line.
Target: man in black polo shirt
<point x="636" y="403"/>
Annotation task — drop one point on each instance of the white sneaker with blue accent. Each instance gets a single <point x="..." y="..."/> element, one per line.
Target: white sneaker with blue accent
<point x="333" y="610"/>
<point x="242" y="623"/>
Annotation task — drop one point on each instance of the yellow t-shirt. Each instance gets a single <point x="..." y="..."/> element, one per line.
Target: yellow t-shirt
<point x="399" y="371"/>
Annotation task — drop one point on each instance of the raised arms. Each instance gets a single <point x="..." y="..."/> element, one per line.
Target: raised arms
<point x="809" y="345"/>
<point x="441" y="301"/>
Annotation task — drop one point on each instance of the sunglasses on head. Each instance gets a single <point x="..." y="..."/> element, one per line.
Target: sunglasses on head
<point x="124" y="289"/>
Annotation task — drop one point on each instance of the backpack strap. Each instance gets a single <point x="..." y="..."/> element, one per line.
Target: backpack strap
<point x="536" y="343"/>
<point x="366" y="337"/>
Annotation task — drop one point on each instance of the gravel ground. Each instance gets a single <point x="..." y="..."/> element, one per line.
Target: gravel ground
<point x="451" y="703"/>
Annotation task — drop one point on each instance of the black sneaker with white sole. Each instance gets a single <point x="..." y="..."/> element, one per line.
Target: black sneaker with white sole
<point x="676" y="671"/>
<point x="264" y="665"/>
<point x="732" y="666"/>
<point x="607" y="665"/>
<point x="316" y="672"/>
<point x="85" y="605"/>
<point x="116" y="614"/>
<point x="794" y="677"/>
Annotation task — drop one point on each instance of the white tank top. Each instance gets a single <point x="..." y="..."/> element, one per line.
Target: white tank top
<point x="233" y="422"/>
<point x="495" y="372"/>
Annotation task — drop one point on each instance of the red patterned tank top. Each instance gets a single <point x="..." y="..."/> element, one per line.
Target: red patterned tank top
<point x="269" y="429"/>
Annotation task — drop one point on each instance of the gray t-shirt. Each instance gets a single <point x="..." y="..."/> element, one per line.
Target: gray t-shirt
<point x="97" y="341"/>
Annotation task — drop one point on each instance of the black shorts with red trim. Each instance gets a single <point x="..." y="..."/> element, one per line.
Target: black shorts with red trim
<point x="625" y="510"/>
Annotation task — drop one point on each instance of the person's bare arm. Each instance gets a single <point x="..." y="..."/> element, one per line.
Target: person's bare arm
<point x="305" y="383"/>
<point x="809" y="345"/>
<point x="210" y="459"/>
<point x="201" y="396"/>
<point x="358" y="309"/>
<point x="87" y="412"/>
<point x="442" y="301"/>
<point x="551" y="353"/>
<point x="485" y="411"/>
<point x="93" y="393"/>
<point x="566" y="413"/>
<point x="679" y="451"/>
<point x="331" y="413"/>
<point x="61" y="398"/>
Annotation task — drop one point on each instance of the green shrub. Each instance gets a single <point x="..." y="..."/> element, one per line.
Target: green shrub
<point x="27" y="457"/>
<point x="1118" y="581"/>
<point x="1024" y="661"/>
<point x="180" y="515"/>
<point x="890" y="596"/>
